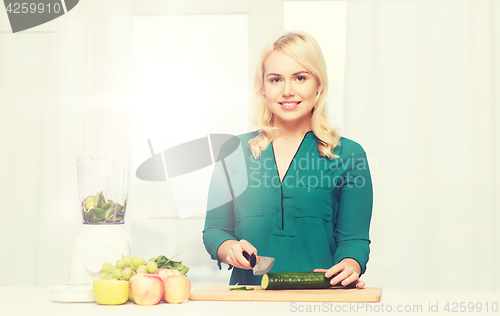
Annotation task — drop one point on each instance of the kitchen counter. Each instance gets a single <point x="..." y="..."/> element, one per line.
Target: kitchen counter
<point x="36" y="301"/>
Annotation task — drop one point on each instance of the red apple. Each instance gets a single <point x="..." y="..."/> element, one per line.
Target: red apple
<point x="177" y="288"/>
<point x="146" y="289"/>
<point x="162" y="273"/>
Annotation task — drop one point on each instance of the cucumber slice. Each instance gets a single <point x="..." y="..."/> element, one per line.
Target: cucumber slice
<point x="98" y="200"/>
<point x="295" y="280"/>
<point x="241" y="288"/>
<point x="265" y="281"/>
<point x="89" y="202"/>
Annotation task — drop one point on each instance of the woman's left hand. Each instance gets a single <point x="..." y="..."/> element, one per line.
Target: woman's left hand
<point x="346" y="272"/>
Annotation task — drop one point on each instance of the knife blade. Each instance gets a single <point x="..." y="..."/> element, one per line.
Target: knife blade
<point x="265" y="263"/>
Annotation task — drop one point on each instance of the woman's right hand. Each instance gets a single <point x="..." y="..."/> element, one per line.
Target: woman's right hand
<point x="231" y="252"/>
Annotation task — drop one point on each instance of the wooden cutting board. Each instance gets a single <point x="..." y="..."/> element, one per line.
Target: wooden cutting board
<point x="334" y="294"/>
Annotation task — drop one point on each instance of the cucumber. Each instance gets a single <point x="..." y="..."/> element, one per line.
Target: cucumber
<point x="295" y="280"/>
<point x="89" y="203"/>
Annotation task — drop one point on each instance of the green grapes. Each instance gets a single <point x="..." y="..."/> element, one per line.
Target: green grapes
<point x="137" y="261"/>
<point x="152" y="266"/>
<point x="127" y="267"/>
<point x="127" y="260"/>
<point x="142" y="269"/>
<point x="117" y="273"/>
<point x="127" y="273"/>
<point x="106" y="266"/>
<point x="120" y="264"/>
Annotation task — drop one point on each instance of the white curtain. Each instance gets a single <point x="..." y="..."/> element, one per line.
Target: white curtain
<point x="65" y="91"/>
<point x="423" y="97"/>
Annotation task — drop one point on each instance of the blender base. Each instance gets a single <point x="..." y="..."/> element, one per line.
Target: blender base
<point x="92" y="247"/>
<point x="72" y="293"/>
<point x="95" y="245"/>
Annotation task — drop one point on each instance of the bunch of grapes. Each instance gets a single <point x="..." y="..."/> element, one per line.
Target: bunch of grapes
<point x="125" y="268"/>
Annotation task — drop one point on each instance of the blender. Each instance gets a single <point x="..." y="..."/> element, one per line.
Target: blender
<point x="103" y="191"/>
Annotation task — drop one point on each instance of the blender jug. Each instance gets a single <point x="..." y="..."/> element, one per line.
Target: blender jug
<point x="103" y="191"/>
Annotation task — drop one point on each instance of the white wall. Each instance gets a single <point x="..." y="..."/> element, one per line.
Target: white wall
<point x="67" y="89"/>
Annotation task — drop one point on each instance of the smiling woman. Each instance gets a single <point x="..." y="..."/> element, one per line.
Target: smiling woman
<point x="309" y="76"/>
<point x="290" y="92"/>
<point x="308" y="219"/>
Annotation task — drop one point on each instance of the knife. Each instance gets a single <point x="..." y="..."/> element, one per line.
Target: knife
<point x="265" y="263"/>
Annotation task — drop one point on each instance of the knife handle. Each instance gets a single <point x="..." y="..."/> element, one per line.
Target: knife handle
<point x="252" y="259"/>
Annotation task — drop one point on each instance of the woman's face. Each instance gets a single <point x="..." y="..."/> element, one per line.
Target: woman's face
<point x="290" y="90"/>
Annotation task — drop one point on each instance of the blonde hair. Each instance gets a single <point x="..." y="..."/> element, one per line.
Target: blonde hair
<point x="304" y="49"/>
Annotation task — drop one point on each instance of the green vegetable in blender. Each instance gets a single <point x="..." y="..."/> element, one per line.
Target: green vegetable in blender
<point x="100" y="200"/>
<point x="96" y="209"/>
<point x="96" y="215"/>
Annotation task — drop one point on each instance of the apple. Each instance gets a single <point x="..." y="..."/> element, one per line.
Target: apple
<point x="162" y="273"/>
<point x="177" y="288"/>
<point x="146" y="289"/>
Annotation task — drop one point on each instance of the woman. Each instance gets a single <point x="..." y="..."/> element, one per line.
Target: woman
<point x="308" y="200"/>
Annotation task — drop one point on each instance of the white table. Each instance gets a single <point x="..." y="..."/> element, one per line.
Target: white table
<point x="36" y="301"/>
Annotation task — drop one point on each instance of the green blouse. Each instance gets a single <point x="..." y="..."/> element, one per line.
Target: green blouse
<point x="318" y="215"/>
